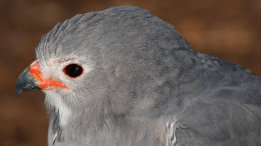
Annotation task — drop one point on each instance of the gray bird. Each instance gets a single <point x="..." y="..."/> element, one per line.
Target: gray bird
<point x="124" y="77"/>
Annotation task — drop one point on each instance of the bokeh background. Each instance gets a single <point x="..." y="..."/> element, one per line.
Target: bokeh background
<point x="228" y="29"/>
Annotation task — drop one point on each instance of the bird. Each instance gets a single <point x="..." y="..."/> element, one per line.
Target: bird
<point x="124" y="77"/>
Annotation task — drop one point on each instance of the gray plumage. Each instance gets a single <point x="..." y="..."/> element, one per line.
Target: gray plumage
<point x="143" y="85"/>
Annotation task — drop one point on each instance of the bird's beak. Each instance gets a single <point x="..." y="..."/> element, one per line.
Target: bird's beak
<point x="32" y="79"/>
<point x="26" y="82"/>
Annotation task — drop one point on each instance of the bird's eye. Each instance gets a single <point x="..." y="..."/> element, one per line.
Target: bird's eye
<point x="73" y="70"/>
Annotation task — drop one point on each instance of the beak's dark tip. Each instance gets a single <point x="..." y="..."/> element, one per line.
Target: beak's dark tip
<point x="18" y="95"/>
<point x="25" y="82"/>
<point x="18" y="91"/>
<point x="19" y="85"/>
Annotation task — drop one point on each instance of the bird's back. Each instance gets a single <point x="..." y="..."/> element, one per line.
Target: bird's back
<point x="219" y="105"/>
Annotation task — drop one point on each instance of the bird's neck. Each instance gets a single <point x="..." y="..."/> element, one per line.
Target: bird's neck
<point x="92" y="124"/>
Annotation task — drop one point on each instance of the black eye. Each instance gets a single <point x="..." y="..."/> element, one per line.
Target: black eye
<point x="73" y="70"/>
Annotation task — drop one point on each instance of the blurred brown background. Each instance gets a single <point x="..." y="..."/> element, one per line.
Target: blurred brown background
<point x="226" y="29"/>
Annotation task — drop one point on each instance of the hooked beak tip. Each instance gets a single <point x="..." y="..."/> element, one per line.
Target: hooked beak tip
<point x="18" y="92"/>
<point x="25" y="82"/>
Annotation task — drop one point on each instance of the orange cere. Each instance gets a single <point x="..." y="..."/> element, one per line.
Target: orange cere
<point x="35" y="70"/>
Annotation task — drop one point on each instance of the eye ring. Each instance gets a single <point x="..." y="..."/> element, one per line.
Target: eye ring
<point x="73" y="70"/>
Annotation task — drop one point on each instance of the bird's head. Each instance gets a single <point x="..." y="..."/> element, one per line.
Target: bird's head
<point x="63" y="76"/>
<point x="63" y="68"/>
<point x="111" y="58"/>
